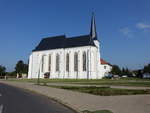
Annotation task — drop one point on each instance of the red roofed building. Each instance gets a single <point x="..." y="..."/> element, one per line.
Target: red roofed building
<point x="106" y="67"/>
<point x="103" y="61"/>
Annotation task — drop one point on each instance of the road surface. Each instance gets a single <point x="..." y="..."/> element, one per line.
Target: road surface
<point x="15" y="100"/>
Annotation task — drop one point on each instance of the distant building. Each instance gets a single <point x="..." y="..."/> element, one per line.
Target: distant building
<point x="71" y="58"/>
<point x="105" y="67"/>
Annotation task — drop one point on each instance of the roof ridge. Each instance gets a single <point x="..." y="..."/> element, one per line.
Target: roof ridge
<point x="55" y="36"/>
<point x="78" y="36"/>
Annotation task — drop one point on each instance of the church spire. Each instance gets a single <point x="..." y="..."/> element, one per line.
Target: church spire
<point x="93" y="33"/>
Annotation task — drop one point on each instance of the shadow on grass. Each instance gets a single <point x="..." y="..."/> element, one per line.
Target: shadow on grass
<point x="104" y="91"/>
<point x="98" y="111"/>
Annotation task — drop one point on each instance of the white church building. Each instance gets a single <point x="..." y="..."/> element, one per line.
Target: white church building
<point x="68" y="58"/>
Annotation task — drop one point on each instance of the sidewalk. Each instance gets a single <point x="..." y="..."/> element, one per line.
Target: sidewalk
<point x="83" y="101"/>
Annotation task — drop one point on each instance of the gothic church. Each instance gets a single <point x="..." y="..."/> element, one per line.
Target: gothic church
<point x="68" y="58"/>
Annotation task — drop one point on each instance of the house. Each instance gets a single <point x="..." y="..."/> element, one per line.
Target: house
<point x="68" y="57"/>
<point x="105" y="67"/>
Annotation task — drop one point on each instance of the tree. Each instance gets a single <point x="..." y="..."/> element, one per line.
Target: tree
<point x="13" y="73"/>
<point x="123" y="72"/>
<point x="2" y="70"/>
<point x="25" y="69"/>
<point x="21" y="67"/>
<point x="146" y="69"/>
<point x="139" y="74"/>
<point x="116" y="70"/>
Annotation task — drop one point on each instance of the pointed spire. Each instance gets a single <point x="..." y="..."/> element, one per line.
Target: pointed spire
<point x="93" y="33"/>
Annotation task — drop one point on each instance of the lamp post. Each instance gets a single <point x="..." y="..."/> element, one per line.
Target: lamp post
<point x="38" y="80"/>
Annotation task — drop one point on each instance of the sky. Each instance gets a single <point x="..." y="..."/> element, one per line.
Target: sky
<point x="123" y="28"/>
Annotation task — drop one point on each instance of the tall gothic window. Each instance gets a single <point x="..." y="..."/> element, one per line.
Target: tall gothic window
<point x="57" y="62"/>
<point x="67" y="62"/>
<point x="84" y="61"/>
<point x="42" y="61"/>
<point x="49" y="63"/>
<point x="76" y="61"/>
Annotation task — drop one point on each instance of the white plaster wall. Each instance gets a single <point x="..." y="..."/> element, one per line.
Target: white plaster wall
<point x="93" y="65"/>
<point x="106" y="69"/>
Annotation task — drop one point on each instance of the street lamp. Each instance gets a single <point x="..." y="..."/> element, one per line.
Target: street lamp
<point x="38" y="80"/>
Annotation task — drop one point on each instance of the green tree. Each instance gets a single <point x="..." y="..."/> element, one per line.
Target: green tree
<point x="146" y="69"/>
<point x="123" y="72"/>
<point x="116" y="70"/>
<point x="13" y="73"/>
<point x="21" y="67"/>
<point x="2" y="70"/>
<point x="25" y="68"/>
<point x="126" y="71"/>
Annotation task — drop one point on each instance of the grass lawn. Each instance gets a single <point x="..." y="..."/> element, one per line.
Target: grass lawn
<point x="98" y="111"/>
<point x="104" y="91"/>
<point x="119" y="82"/>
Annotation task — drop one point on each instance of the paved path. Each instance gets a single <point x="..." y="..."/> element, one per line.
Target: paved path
<point x="15" y="100"/>
<point x="83" y="101"/>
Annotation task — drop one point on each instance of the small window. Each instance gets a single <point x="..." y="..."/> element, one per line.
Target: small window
<point x="104" y="67"/>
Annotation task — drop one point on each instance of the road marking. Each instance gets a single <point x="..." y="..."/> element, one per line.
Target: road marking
<point x="0" y="94"/>
<point x="1" y="108"/>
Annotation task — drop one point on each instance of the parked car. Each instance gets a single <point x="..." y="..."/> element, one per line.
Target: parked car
<point x="124" y="76"/>
<point x="108" y="75"/>
<point x="146" y="75"/>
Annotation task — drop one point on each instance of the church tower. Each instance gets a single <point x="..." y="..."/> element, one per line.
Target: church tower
<point x="93" y="32"/>
<point x="93" y="35"/>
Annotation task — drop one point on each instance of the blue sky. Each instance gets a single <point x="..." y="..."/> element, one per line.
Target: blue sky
<point x="123" y="27"/>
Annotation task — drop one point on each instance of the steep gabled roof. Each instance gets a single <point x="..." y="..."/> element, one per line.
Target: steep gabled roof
<point x="104" y="62"/>
<point x="61" y="41"/>
<point x="51" y="43"/>
<point x="79" y="41"/>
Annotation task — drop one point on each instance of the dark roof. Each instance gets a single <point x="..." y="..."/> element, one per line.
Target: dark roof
<point x="63" y="42"/>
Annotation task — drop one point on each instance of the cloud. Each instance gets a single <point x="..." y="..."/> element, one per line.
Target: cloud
<point x="143" y="26"/>
<point x="126" y="31"/>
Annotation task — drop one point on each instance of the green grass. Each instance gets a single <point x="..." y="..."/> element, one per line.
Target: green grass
<point x="117" y="83"/>
<point x="120" y="82"/>
<point x="104" y="91"/>
<point x="98" y="111"/>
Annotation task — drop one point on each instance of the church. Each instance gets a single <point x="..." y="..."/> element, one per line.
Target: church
<point x="63" y="57"/>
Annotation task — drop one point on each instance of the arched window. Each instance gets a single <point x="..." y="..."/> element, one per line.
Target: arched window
<point x="49" y="63"/>
<point x="43" y="63"/>
<point x="76" y="61"/>
<point x="57" y="62"/>
<point x="84" y="61"/>
<point x="67" y="62"/>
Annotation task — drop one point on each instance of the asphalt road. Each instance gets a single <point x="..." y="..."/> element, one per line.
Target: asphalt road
<point x="15" y="100"/>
